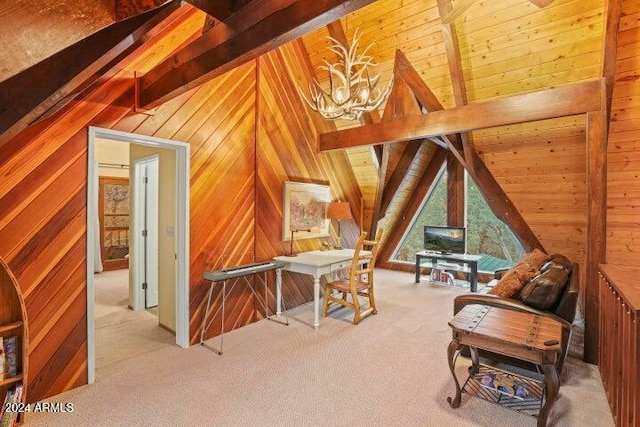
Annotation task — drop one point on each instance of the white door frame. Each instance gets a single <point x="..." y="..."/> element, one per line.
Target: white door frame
<point x="182" y="151"/>
<point x="139" y="250"/>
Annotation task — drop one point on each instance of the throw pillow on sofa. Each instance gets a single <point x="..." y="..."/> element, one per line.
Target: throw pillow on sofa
<point x="544" y="290"/>
<point x="513" y="281"/>
<point x="557" y="260"/>
<point x="536" y="259"/>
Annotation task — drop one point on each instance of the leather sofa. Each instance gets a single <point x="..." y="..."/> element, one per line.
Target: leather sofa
<point x="563" y="309"/>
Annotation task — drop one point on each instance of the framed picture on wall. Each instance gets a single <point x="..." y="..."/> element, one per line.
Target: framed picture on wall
<point x="304" y="213"/>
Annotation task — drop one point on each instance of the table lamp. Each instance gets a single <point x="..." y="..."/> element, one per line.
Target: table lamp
<point x="339" y="210"/>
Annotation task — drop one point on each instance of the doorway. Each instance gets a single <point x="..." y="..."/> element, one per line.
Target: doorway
<point x="180" y="203"/>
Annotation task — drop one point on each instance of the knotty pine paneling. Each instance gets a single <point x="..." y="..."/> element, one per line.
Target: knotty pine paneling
<point x="623" y="168"/>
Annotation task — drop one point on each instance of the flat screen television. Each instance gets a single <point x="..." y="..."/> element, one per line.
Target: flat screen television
<point x="445" y="239"/>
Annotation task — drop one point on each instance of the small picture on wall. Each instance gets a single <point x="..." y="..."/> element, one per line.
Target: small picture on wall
<point x="305" y="210"/>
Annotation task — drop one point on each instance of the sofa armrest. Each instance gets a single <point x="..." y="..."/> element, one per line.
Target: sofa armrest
<point x="507" y="303"/>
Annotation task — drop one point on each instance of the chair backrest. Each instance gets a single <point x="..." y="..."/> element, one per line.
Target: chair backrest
<point x="364" y="263"/>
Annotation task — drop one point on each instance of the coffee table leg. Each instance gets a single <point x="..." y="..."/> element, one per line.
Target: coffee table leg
<point x="553" y="384"/>
<point x="475" y="361"/>
<point x="451" y="354"/>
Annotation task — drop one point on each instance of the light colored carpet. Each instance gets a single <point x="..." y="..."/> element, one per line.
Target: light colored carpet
<point x="391" y="370"/>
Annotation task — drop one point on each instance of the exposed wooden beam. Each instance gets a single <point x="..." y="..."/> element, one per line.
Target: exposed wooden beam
<point x="609" y="53"/>
<point x="455" y="192"/>
<point x="415" y="202"/>
<point x="398" y="174"/>
<point x="596" y="225"/>
<point x="454" y="61"/>
<point x="220" y="50"/>
<point x="219" y="9"/>
<point x="377" y="205"/>
<point x="496" y="198"/>
<point x="460" y="8"/>
<point x="72" y="70"/>
<point x="427" y="100"/>
<point x="125" y="9"/>
<point x="546" y="104"/>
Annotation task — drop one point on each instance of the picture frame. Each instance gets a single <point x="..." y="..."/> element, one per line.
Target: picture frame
<point x="304" y="210"/>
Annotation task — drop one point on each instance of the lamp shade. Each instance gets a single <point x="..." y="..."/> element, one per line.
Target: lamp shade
<point x="339" y="210"/>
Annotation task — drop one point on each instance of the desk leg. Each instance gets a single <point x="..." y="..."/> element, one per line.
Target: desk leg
<point x="278" y="291"/>
<point x="418" y="258"/>
<point x="316" y="301"/>
<point x="451" y="355"/>
<point x="552" y="387"/>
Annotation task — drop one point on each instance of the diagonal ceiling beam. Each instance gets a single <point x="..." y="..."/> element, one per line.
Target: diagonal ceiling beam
<point x="124" y="9"/>
<point x="415" y="202"/>
<point x="219" y="9"/>
<point x="221" y="50"/>
<point x="458" y="83"/>
<point x="564" y="101"/>
<point x="71" y="70"/>
<point x="398" y="174"/>
<point x="496" y="198"/>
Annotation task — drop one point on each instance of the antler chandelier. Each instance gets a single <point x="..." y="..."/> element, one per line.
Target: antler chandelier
<point x="351" y="90"/>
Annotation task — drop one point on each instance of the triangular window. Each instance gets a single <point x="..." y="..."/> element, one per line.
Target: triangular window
<point x="486" y="234"/>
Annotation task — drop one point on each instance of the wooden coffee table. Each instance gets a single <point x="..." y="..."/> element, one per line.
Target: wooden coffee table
<point x="523" y="336"/>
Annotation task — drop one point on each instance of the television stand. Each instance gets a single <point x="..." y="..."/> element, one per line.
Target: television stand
<point x="464" y="263"/>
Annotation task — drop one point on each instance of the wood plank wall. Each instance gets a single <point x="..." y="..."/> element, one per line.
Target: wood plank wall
<point x="286" y="151"/>
<point x="623" y="168"/>
<point x="43" y="199"/>
<point x="43" y="192"/>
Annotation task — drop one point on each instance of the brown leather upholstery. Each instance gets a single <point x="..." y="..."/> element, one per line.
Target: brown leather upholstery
<point x="563" y="311"/>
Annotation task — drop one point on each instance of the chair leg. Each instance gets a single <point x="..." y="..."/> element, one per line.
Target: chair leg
<point x="325" y="302"/>
<point x="357" y="316"/>
<point x="372" y="301"/>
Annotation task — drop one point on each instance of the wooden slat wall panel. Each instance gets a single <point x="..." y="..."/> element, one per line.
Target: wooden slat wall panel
<point x="542" y="167"/>
<point x="43" y="192"/>
<point x="43" y="220"/>
<point x="623" y="167"/>
<point x="397" y="211"/>
<point x="366" y="171"/>
<point x="287" y="151"/>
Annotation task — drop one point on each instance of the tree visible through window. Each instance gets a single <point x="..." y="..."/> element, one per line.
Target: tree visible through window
<point x="486" y="234"/>
<point x="434" y="212"/>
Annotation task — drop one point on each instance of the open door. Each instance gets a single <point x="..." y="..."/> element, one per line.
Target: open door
<point x="145" y="225"/>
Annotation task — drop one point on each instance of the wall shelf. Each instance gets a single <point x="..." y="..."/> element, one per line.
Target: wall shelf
<point x="13" y="323"/>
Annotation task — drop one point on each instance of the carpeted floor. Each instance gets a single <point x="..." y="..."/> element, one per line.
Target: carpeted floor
<point x="390" y="370"/>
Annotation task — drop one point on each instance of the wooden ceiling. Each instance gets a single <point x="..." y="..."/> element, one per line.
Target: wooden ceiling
<point x="496" y="48"/>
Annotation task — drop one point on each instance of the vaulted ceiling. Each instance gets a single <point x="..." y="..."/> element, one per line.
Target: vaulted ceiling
<point x="465" y="51"/>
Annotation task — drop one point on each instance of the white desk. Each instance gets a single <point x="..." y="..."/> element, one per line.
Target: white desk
<point x="313" y="263"/>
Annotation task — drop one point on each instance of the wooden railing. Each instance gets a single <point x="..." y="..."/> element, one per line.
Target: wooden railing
<point x="619" y="345"/>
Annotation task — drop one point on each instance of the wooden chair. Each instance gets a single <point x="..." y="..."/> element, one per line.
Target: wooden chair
<point x="360" y="282"/>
